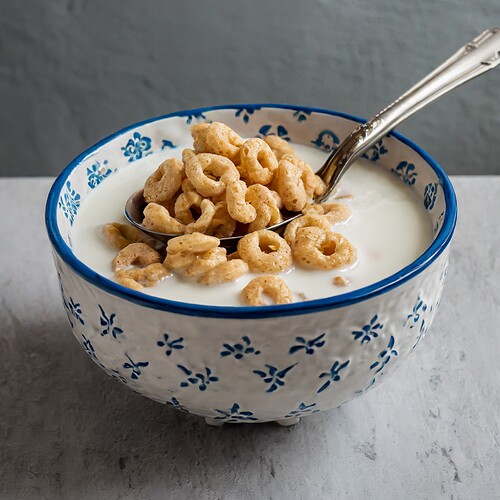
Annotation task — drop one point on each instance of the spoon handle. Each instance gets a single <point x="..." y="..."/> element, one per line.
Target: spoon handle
<point x="475" y="58"/>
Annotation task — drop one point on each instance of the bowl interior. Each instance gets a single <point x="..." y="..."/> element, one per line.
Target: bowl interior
<point x="322" y="129"/>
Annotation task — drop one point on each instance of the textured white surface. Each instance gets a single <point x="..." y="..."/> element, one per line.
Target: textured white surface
<point x="67" y="430"/>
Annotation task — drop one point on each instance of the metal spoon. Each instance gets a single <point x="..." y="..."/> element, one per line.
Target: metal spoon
<point x="476" y="57"/>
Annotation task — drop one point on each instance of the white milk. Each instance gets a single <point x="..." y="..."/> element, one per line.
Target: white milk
<point x="389" y="229"/>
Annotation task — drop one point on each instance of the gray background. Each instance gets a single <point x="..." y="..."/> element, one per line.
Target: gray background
<point x="73" y="71"/>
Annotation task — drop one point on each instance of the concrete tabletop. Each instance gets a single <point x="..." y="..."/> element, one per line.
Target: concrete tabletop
<point x="67" y="430"/>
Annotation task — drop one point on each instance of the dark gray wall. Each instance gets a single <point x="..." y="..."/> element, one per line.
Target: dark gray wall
<point x="73" y="71"/>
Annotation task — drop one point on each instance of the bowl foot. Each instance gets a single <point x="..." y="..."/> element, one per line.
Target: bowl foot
<point x="287" y="422"/>
<point x="215" y="423"/>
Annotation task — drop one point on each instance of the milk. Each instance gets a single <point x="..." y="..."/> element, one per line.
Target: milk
<point x="389" y="229"/>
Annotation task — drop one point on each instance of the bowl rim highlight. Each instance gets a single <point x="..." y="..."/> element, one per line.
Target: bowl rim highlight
<point x="251" y="312"/>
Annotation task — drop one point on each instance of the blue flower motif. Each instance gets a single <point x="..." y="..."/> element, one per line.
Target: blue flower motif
<point x="385" y="356"/>
<point x="406" y="172"/>
<point x="73" y="310"/>
<point x="239" y="350"/>
<point x="369" y="331"/>
<point x="421" y="333"/>
<point x="302" y="410"/>
<point x="436" y="227"/>
<point x="89" y="348"/>
<point x="170" y="345"/>
<point x="195" y="116"/>
<point x="301" y="115"/>
<point x="97" y="173"/>
<point x="333" y="374"/>
<point x="117" y="376"/>
<point x="167" y="144"/>
<point x="135" y="367"/>
<point x="137" y="147"/>
<point x="326" y="141"/>
<point x="273" y="376"/>
<point x="376" y="151"/>
<point x="174" y="403"/>
<point x="307" y="345"/>
<point x="281" y="131"/>
<point x="245" y="113"/>
<point x="418" y="309"/>
<point x="430" y="195"/>
<point x="362" y="391"/>
<point x="108" y="323"/>
<point x="234" y="415"/>
<point x="69" y="202"/>
<point x="202" y="379"/>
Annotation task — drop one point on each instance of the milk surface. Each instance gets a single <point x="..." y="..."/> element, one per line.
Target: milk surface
<point x="389" y="228"/>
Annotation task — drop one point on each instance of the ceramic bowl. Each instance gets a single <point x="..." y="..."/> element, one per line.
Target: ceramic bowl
<point x="251" y="364"/>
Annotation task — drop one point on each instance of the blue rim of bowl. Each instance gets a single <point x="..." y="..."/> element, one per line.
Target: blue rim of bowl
<point x="252" y="312"/>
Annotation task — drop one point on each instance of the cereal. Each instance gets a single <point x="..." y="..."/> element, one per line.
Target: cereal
<point x="222" y="225"/>
<point x="258" y="162"/>
<point x="188" y="154"/>
<point x="308" y="220"/>
<point x="336" y="213"/>
<point x="162" y="184"/>
<point x="222" y="140"/>
<point x="319" y="249"/>
<point x="194" y="243"/>
<point x="227" y="271"/>
<point x="135" y="254"/>
<point x="137" y="278"/>
<point x="187" y="186"/>
<point x="179" y="260"/>
<point x="273" y="286"/>
<point x="205" y="262"/>
<point x="239" y="209"/>
<point x="308" y="177"/>
<point x="279" y="146"/>
<point x="290" y="186"/>
<point x="268" y="213"/>
<point x="183" y="212"/>
<point x="265" y="251"/>
<point x="203" y="222"/>
<point x="157" y="218"/>
<point x="120" y="235"/>
<point x="340" y="281"/>
<point x="114" y="237"/>
<point x="205" y="163"/>
<point x="199" y="134"/>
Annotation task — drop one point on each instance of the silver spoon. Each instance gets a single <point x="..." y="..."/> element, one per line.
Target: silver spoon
<point x="475" y="58"/>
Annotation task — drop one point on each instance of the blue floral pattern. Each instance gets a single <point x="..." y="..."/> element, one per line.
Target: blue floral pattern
<point x="202" y="380"/>
<point x="333" y="374"/>
<point x="235" y="415"/>
<point x="137" y="147"/>
<point x="308" y="345"/>
<point x="109" y="324"/>
<point x="281" y="131"/>
<point x="97" y="173"/>
<point x="89" y="348"/>
<point x="118" y="376"/>
<point x="437" y="225"/>
<point x="69" y="202"/>
<point x="245" y="113"/>
<point x="301" y="115"/>
<point x="369" y="331"/>
<point x="303" y="410"/>
<point x="195" y="117"/>
<point x="170" y="344"/>
<point x="326" y="141"/>
<point x="135" y="367"/>
<point x="174" y="403"/>
<point x="430" y="195"/>
<point x="385" y="356"/>
<point x="273" y="376"/>
<point x="406" y="172"/>
<point x="376" y="151"/>
<point x="165" y="144"/>
<point x="239" y="350"/>
<point x="73" y="310"/>
<point x="414" y="317"/>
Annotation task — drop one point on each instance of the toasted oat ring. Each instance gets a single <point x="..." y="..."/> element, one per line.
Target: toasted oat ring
<point x="199" y="134"/>
<point x="179" y="260"/>
<point x="273" y="286"/>
<point x="336" y="213"/>
<point x="308" y="220"/>
<point x="187" y="186"/>
<point x="268" y="213"/>
<point x="312" y="182"/>
<point x="257" y="161"/>
<point x="279" y="146"/>
<point x="222" y="225"/>
<point x="184" y="203"/>
<point x="136" y="278"/>
<point x="188" y="154"/>
<point x="135" y="254"/>
<point x="205" y="262"/>
<point x="194" y="243"/>
<point x="203" y="222"/>
<point x="265" y="251"/>
<point x="238" y="208"/>
<point x="290" y="185"/>
<point x="227" y="271"/>
<point x="223" y="140"/>
<point x="157" y="218"/>
<point x="316" y="248"/>
<point x="164" y="182"/>
<point x="121" y="235"/>
<point x="222" y="168"/>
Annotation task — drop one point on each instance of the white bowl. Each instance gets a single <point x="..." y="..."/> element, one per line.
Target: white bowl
<point x="251" y="364"/>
